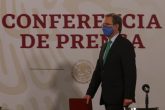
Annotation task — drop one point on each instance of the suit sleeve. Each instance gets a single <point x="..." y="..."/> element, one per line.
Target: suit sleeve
<point x="129" y="69"/>
<point x="95" y="81"/>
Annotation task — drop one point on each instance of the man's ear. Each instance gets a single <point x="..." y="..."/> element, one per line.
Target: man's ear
<point x="116" y="27"/>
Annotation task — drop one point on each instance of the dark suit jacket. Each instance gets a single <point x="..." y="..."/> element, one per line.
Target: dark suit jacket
<point x="117" y="76"/>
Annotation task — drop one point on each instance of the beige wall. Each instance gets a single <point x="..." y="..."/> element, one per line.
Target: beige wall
<point x="24" y="87"/>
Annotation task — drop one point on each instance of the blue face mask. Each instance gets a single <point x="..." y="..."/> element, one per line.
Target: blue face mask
<point x="107" y="31"/>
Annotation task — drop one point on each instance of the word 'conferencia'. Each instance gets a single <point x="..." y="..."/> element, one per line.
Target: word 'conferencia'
<point x="73" y="22"/>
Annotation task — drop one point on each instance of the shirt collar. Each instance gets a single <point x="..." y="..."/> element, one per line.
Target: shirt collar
<point x="114" y="37"/>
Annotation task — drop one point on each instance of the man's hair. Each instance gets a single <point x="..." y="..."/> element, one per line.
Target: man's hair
<point x="116" y="19"/>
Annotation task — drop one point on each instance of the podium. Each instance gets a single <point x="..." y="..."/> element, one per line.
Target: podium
<point x="79" y="104"/>
<point x="154" y="108"/>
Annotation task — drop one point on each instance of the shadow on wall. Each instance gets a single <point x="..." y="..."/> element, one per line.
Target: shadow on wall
<point x="65" y="88"/>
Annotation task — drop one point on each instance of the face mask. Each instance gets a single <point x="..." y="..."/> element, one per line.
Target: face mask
<point x="107" y="31"/>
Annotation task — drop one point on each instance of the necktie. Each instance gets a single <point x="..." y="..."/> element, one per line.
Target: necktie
<point x="107" y="51"/>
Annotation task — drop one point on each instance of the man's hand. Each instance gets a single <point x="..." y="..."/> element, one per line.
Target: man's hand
<point x="88" y="98"/>
<point x="127" y="102"/>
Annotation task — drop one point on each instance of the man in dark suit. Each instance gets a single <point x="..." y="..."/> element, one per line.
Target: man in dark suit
<point x="115" y="69"/>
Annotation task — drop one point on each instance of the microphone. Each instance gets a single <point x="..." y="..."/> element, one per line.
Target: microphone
<point x="146" y="88"/>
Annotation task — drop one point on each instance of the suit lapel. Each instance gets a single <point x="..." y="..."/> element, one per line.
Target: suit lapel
<point x="112" y="48"/>
<point x="102" y="53"/>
